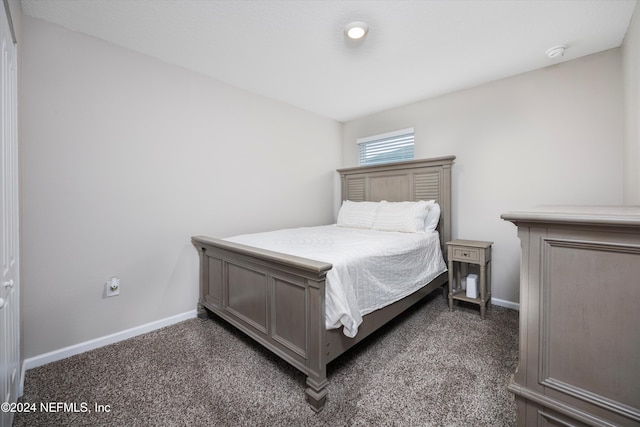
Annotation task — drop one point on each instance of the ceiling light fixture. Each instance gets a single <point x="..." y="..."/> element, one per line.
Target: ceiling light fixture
<point x="556" y="52"/>
<point x="356" y="30"/>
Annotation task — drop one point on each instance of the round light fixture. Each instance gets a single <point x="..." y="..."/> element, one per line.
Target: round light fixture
<point x="556" y="51"/>
<point x="356" y="30"/>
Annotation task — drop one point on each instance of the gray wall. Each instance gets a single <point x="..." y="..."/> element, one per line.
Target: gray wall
<point x="631" y="76"/>
<point x="124" y="158"/>
<point x="552" y="136"/>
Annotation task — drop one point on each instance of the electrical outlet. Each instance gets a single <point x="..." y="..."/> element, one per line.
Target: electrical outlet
<point x="112" y="287"/>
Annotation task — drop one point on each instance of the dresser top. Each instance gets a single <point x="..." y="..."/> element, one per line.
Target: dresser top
<point x="586" y="215"/>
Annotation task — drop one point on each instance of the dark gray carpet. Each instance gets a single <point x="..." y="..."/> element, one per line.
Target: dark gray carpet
<point x="431" y="367"/>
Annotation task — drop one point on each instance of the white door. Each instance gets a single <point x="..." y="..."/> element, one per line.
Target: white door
<point x="9" y="229"/>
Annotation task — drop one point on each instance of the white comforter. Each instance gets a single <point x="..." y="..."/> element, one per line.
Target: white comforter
<point x="371" y="269"/>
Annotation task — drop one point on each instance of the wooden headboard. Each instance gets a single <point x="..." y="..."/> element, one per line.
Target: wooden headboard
<point x="426" y="179"/>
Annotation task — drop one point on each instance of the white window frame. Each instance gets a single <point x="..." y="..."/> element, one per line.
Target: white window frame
<point x="385" y="143"/>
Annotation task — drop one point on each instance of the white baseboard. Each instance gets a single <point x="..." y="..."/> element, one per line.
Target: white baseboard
<point x="63" y="353"/>
<point x="505" y="303"/>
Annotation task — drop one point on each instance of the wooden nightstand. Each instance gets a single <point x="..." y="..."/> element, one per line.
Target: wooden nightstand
<point x="470" y="252"/>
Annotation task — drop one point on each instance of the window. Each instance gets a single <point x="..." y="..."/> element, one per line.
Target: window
<point x="387" y="147"/>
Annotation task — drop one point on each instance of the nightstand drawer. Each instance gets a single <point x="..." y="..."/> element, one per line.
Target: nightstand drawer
<point x="465" y="254"/>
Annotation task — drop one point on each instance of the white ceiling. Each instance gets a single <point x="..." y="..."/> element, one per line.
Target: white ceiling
<point x="296" y="52"/>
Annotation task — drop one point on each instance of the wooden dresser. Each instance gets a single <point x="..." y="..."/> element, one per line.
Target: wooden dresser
<point x="579" y="316"/>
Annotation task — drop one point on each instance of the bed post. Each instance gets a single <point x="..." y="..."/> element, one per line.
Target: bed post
<point x="204" y="273"/>
<point x="444" y="224"/>
<point x="317" y="341"/>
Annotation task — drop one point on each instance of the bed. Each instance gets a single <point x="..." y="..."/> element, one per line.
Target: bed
<point x="279" y="299"/>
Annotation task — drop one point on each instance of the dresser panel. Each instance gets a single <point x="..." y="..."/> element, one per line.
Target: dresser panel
<point x="589" y="340"/>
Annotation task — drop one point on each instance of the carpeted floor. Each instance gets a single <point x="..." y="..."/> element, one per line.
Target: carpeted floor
<point x="431" y="367"/>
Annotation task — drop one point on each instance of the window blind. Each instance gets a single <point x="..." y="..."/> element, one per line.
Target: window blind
<point x="386" y="148"/>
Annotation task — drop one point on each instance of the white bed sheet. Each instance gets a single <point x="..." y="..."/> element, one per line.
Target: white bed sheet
<point x="371" y="269"/>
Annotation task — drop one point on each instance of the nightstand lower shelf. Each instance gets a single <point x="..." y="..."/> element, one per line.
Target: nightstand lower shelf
<point x="462" y="296"/>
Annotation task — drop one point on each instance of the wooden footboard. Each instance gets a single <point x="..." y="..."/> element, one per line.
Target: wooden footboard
<point x="276" y="299"/>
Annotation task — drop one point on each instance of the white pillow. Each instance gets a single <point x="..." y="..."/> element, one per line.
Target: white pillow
<point x="433" y="216"/>
<point x="407" y="217"/>
<point x="357" y="214"/>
